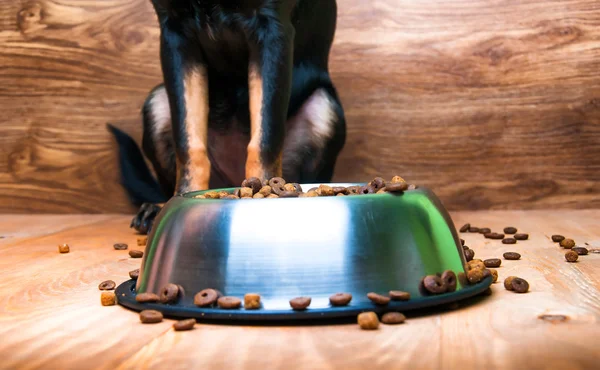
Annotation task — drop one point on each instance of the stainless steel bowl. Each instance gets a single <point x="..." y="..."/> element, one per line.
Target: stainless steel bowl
<point x="285" y="248"/>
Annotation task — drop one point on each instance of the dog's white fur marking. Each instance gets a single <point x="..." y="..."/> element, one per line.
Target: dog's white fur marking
<point x="160" y="114"/>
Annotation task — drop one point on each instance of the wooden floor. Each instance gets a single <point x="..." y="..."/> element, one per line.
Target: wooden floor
<point x="51" y="317"/>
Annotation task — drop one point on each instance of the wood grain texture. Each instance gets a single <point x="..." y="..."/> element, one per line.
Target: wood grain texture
<point x="492" y="103"/>
<point x="51" y="318"/>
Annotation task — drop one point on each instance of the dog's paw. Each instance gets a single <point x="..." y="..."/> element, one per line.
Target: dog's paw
<point x="142" y="222"/>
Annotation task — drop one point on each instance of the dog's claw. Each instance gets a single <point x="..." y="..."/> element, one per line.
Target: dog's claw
<point x="143" y="221"/>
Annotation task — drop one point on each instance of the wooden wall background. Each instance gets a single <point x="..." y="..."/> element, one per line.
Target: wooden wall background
<point x="492" y="103"/>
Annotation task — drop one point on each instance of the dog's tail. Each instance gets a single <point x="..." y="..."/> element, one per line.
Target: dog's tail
<point x="136" y="177"/>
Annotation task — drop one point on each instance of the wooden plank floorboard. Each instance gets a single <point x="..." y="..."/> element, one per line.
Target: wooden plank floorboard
<point x="50" y="315"/>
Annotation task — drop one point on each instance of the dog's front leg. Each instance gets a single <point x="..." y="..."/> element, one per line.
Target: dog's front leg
<point x="186" y="82"/>
<point x="270" y="75"/>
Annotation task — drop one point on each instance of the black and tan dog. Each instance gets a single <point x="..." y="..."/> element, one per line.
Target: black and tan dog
<point x="246" y="93"/>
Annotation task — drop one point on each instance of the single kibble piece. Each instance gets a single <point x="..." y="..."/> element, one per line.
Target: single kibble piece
<point x="462" y="278"/>
<point x="378" y="183"/>
<point x="508" y="282"/>
<point x="246" y="192"/>
<point x="231" y="197"/>
<point x="496" y="236"/>
<point x="398" y="295"/>
<point x="326" y="191"/>
<point x="142" y="241"/>
<point x="224" y="195"/>
<point x="169" y="293"/>
<point x="120" y="246"/>
<point x="265" y="191"/>
<point x="462" y="242"/>
<point x="510" y="230"/>
<point x="449" y="279"/>
<point x="340" y="190"/>
<point x="312" y="194"/>
<point x="378" y="299"/>
<point x="206" y="298"/>
<point x="151" y="317"/>
<point x="212" y="195"/>
<point x="108" y="299"/>
<point x="465" y="228"/>
<point x="475" y="264"/>
<point x="107" y="285"/>
<point x="557" y="238"/>
<point x="136" y="254"/>
<point x="393" y="318"/>
<point x="277" y="181"/>
<point x="340" y="195"/>
<point x="571" y="256"/>
<point x="271" y="196"/>
<point x="473" y="229"/>
<point x="487" y="292"/>
<point x="582" y="251"/>
<point x="521" y="236"/>
<point x="397" y="179"/>
<point x="469" y="254"/>
<point x="494" y="275"/>
<point x="253" y="183"/>
<point x="258" y="196"/>
<point x="368" y="321"/>
<point x="340" y="299"/>
<point x="252" y="301"/>
<point x="475" y="276"/>
<point x="511" y="256"/>
<point x="396" y="187"/>
<point x="367" y="189"/>
<point x="434" y="284"/>
<point x="184" y="325"/>
<point x="567" y="243"/>
<point x="519" y="285"/>
<point x="134" y="274"/>
<point x="412" y="187"/>
<point x="290" y="187"/>
<point x="300" y="303"/>
<point x="485" y="230"/>
<point x="465" y="247"/>
<point x="509" y="241"/>
<point x="492" y="262"/>
<point x="147" y="297"/>
<point x="64" y="248"/>
<point x="289" y="194"/>
<point x="229" y="303"/>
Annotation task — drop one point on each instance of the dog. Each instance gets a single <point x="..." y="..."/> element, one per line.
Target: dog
<point x="246" y="93"/>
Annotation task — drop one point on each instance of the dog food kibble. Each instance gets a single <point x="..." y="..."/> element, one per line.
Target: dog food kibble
<point x="508" y="282"/>
<point x="434" y="284"/>
<point x="368" y="321"/>
<point x="300" y="303"/>
<point x="378" y="299"/>
<point x="64" y="248"/>
<point x="487" y="292"/>
<point x="142" y="241"/>
<point x="136" y="254"/>
<point x="519" y="285"/>
<point x="582" y="251"/>
<point x="494" y="275"/>
<point x="147" y="297"/>
<point x="252" y="301"/>
<point x="184" y="325"/>
<point x="397" y="179"/>
<point x="465" y="228"/>
<point x="340" y="190"/>
<point x="378" y="183"/>
<point x="511" y="256"/>
<point x="169" y="293"/>
<point x="325" y="191"/>
<point x="134" y="274"/>
<point x="494" y="236"/>
<point x="107" y="285"/>
<point x="485" y="230"/>
<point x="276" y="181"/>
<point x="206" y="298"/>
<point x="396" y="187"/>
<point x="473" y="229"/>
<point x="475" y="264"/>
<point x="288" y="194"/>
<point x="265" y="191"/>
<point x="398" y="295"/>
<point x="108" y="299"/>
<point x="340" y="299"/>
<point x="258" y="196"/>
<point x="521" y="236"/>
<point x="271" y="196"/>
<point x="571" y="256"/>
<point x="120" y="246"/>
<point x="469" y="254"/>
<point x="229" y="303"/>
<point x="509" y="241"/>
<point x="212" y="195"/>
<point x="290" y="187"/>
<point x="462" y="242"/>
<point x="510" y="230"/>
<point x="475" y="276"/>
<point x="393" y="318"/>
<point x="557" y="238"/>
<point x="246" y="192"/>
<point x="449" y="279"/>
<point x="492" y="262"/>
<point x="151" y="317"/>
<point x="253" y="183"/>
<point x="567" y="243"/>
